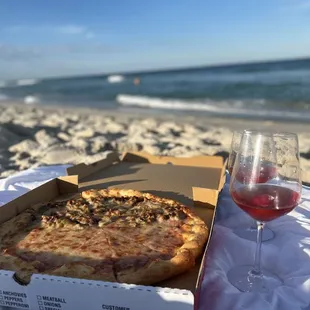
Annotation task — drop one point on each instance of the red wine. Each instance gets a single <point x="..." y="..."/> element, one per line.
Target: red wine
<point x="266" y="172"/>
<point x="265" y="202"/>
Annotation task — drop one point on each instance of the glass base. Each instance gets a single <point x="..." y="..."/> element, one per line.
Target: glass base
<point x="250" y="233"/>
<point x="243" y="278"/>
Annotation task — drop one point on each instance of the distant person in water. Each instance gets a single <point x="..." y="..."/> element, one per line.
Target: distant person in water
<point x="136" y="81"/>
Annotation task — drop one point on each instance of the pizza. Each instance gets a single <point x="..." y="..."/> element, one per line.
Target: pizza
<point x="112" y="235"/>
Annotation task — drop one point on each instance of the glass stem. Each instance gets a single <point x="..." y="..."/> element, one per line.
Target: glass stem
<point x="257" y="270"/>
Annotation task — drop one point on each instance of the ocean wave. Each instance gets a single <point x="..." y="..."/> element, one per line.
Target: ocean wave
<point x="178" y="104"/>
<point x="18" y="83"/>
<point x="26" y="82"/>
<point x="31" y="100"/>
<point x="228" y="108"/>
<point x="115" y="78"/>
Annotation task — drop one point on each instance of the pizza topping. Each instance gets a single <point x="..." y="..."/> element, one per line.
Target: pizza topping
<point x="83" y="220"/>
<point x="59" y="222"/>
<point x="101" y="211"/>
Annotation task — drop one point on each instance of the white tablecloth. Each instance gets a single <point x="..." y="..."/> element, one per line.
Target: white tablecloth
<point x="20" y="183"/>
<point x="287" y="255"/>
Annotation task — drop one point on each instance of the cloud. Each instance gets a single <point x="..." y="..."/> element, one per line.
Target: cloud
<point x="72" y="29"/>
<point x="76" y="30"/>
<point x="66" y="29"/>
<point x="18" y="53"/>
<point x="75" y="49"/>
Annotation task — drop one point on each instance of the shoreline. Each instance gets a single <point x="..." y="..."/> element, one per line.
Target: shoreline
<point x="34" y="135"/>
<point x="234" y="123"/>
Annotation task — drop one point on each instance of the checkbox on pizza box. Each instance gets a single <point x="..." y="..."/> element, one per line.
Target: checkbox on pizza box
<point x="41" y="308"/>
<point x="40" y="303"/>
<point x="2" y="302"/>
<point x="1" y="297"/>
<point x="39" y="297"/>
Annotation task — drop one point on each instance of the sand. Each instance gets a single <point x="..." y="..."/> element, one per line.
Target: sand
<point x="31" y="136"/>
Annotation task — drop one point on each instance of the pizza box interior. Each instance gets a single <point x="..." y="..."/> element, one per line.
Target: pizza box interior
<point x="195" y="182"/>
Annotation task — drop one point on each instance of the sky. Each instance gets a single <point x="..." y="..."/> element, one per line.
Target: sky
<point x="68" y="37"/>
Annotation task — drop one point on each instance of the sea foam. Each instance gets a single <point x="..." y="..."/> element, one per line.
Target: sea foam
<point x="220" y="107"/>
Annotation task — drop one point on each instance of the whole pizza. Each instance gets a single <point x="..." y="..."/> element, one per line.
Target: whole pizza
<point x="111" y="235"/>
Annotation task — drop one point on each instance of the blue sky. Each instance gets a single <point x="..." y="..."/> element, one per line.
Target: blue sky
<point x="68" y="37"/>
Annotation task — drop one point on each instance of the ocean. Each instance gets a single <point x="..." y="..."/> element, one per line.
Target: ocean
<point x="270" y="91"/>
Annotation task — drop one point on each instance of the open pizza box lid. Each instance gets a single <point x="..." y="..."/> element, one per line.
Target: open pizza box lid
<point x="194" y="181"/>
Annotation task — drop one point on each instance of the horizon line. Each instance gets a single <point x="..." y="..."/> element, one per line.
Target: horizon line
<point x="173" y="69"/>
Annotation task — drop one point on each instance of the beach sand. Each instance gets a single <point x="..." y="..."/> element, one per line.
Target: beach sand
<point x="31" y="136"/>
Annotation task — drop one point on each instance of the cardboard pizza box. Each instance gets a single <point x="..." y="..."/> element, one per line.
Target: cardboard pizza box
<point x="195" y="182"/>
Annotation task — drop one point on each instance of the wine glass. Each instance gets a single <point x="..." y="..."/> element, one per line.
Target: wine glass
<point x="266" y="201"/>
<point x="249" y="233"/>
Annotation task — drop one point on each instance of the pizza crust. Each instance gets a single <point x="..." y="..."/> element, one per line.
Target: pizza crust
<point x="158" y="270"/>
<point x="23" y="269"/>
<point x="84" y="271"/>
